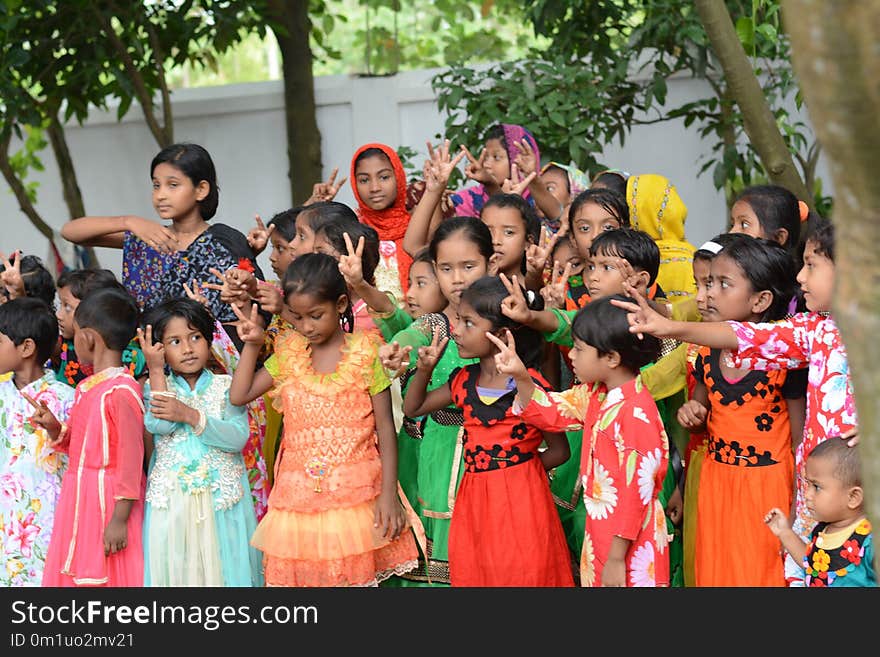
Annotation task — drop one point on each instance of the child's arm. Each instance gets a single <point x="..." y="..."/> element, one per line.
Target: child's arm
<point x="351" y="268"/>
<point x="389" y="517"/>
<point x="229" y="431"/>
<point x="692" y="415"/>
<point x="515" y="306"/>
<point x="246" y="384"/>
<point x="157" y="388"/>
<point x="110" y="232"/>
<point x="778" y="523"/>
<point x="558" y="450"/>
<point x="124" y="410"/>
<point x="418" y="401"/>
<point x="45" y="418"/>
<point x="614" y="571"/>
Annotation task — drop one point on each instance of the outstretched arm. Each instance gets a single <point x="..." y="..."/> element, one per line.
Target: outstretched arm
<point x="418" y="400"/>
<point x="110" y="232"/>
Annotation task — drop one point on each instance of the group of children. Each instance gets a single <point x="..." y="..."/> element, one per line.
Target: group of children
<point x="533" y="381"/>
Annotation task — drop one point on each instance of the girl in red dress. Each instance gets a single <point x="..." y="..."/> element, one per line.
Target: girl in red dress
<point x="505" y="530"/>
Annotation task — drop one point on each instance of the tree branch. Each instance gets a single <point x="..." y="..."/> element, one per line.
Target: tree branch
<point x="17" y="186"/>
<point x="159" y="57"/>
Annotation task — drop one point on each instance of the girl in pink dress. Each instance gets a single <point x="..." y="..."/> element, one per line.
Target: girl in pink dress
<point x="96" y="537"/>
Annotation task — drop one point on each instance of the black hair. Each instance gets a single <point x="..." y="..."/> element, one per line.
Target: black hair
<point x="194" y="161"/>
<point x="776" y="208"/>
<point x="847" y="464"/>
<point x="531" y="222"/>
<point x="635" y="246"/>
<point x="318" y="215"/>
<point x="822" y="235"/>
<point x="485" y="295"/>
<point x="423" y="255"/>
<point x="285" y="223"/>
<point x="768" y="266"/>
<point x="721" y="240"/>
<point x="37" y="280"/>
<point x="112" y="313"/>
<point x="613" y="180"/>
<point x="610" y="201"/>
<point x="318" y="274"/>
<point x="195" y="314"/>
<point x="565" y="240"/>
<point x="83" y="281"/>
<point x="496" y="132"/>
<point x="372" y="152"/>
<point x="558" y="169"/>
<point x="604" y="326"/>
<point x="30" y="317"/>
<point x="334" y="233"/>
<point x="474" y="230"/>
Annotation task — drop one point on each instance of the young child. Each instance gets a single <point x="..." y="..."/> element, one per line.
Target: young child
<point x="767" y="211"/>
<point x="423" y="294"/>
<point x="499" y="505"/>
<point x="335" y="518"/>
<point x="806" y="340"/>
<point x="27" y="276"/>
<point x="626" y="450"/>
<point x="198" y="517"/>
<point x="96" y="537"/>
<point x="840" y="551"/>
<point x="73" y="286"/>
<point x="30" y="471"/>
<point x="514" y="226"/>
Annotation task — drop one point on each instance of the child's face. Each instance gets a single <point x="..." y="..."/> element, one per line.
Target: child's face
<point x="10" y="356"/>
<point x="556" y="183"/>
<point x="281" y="255"/>
<point x="174" y="194"/>
<point x="459" y="263"/>
<point x="701" y="278"/>
<point x="588" y="366"/>
<point x="424" y="295"/>
<point x="304" y="241"/>
<point x="816" y="279"/>
<point x="375" y="182"/>
<point x="744" y="220"/>
<point x="66" y="307"/>
<point x="730" y="295"/>
<point x="825" y="496"/>
<point x="497" y="163"/>
<point x="469" y="333"/>
<point x="590" y="220"/>
<point x="508" y="238"/>
<point x="603" y="277"/>
<point x="186" y="350"/>
<point x="316" y="319"/>
<point x="566" y="253"/>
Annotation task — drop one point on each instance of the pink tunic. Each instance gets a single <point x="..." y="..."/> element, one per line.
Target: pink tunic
<point x="106" y="455"/>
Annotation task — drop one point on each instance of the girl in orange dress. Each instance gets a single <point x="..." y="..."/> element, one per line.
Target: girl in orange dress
<point x="335" y="517"/>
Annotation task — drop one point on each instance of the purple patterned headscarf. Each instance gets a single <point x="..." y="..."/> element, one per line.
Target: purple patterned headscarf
<point x="470" y="200"/>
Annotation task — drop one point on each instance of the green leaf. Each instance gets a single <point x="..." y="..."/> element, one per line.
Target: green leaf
<point x="631" y="461"/>
<point x="745" y="30"/>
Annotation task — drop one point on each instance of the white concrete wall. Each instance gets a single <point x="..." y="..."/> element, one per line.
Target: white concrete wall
<point x="242" y="126"/>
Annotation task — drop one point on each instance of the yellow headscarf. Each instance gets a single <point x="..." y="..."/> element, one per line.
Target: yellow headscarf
<point x="656" y="208"/>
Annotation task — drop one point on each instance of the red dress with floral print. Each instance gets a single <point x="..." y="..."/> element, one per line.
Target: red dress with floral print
<point x="505" y="530"/>
<point x="622" y="468"/>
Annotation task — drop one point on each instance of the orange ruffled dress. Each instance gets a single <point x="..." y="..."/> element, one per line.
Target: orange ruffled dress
<point x="319" y="527"/>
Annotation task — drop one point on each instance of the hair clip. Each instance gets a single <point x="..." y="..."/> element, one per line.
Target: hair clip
<point x="804" y="210"/>
<point x="713" y="247"/>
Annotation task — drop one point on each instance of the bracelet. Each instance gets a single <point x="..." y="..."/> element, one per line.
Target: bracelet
<point x="200" y="425"/>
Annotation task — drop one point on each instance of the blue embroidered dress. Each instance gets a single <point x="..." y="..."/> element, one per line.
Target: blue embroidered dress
<point x="199" y="518"/>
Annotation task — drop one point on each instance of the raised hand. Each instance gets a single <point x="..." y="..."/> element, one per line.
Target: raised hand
<point x="537" y="254"/>
<point x="525" y="159"/>
<point x="851" y="436"/>
<point x="154" y="353"/>
<point x="247" y="326"/>
<point x="476" y="167"/>
<point x="269" y="298"/>
<point x="641" y="317"/>
<point x="692" y="415"/>
<point x="514" y="305"/>
<point x="153" y="234"/>
<point x="326" y="191"/>
<point x="230" y="290"/>
<point x="44" y="418"/>
<point x="507" y="361"/>
<point x="517" y="183"/>
<point x="440" y="166"/>
<point x="394" y="357"/>
<point x="195" y="293"/>
<point x="428" y="356"/>
<point x="258" y="236"/>
<point x="554" y="292"/>
<point x="11" y="276"/>
<point x="351" y="264"/>
<point x="627" y="273"/>
<point x="777" y="521"/>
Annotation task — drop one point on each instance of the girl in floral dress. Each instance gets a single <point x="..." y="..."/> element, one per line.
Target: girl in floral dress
<point x="625" y="452"/>
<point x="30" y="471"/>
<point x="335" y="516"/>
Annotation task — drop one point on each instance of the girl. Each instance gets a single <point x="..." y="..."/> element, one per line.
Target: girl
<point x="749" y="464"/>
<point x="96" y="536"/>
<point x="592" y="212"/>
<point x="379" y="186"/>
<point x="334" y="517"/>
<point x="562" y="182"/>
<point x="499" y="505"/>
<point x="625" y="454"/>
<point x="514" y="226"/>
<point x="768" y="211"/>
<point x="198" y="517"/>
<point x="460" y="251"/>
<point x="423" y="293"/>
<point x="613" y="179"/>
<point x="30" y="471"/>
<point x="806" y="340"/>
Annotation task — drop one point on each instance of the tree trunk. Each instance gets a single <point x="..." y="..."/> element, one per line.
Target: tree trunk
<point x="303" y="137"/>
<point x="835" y="55"/>
<point x="743" y="86"/>
<point x="18" y="188"/>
